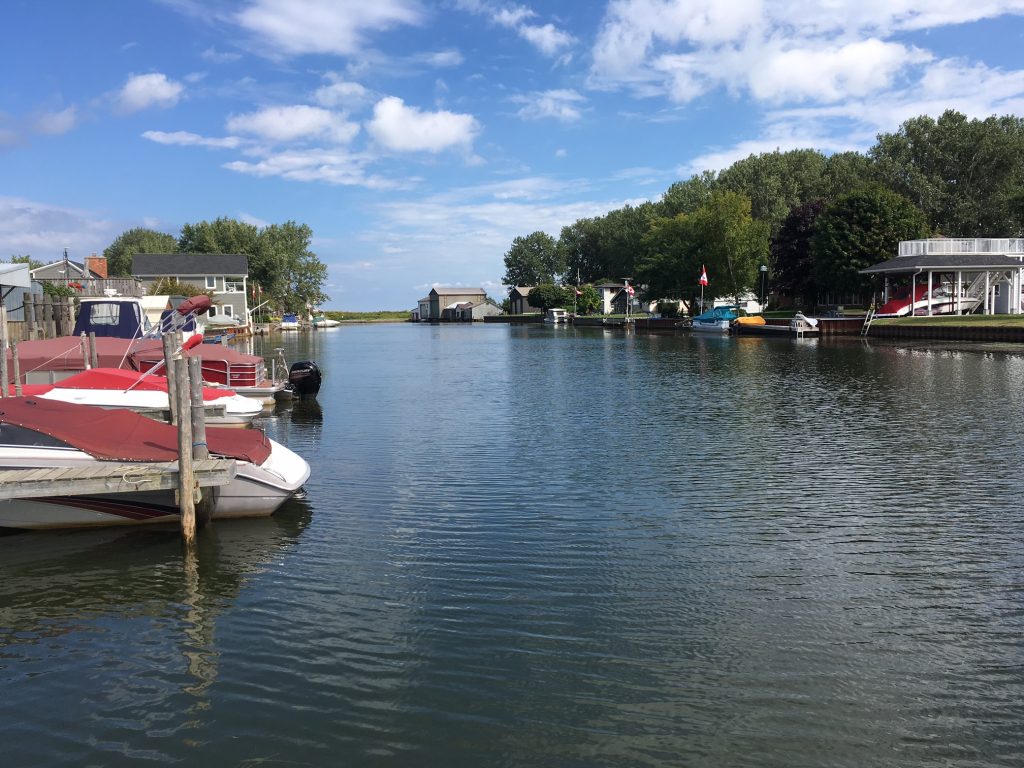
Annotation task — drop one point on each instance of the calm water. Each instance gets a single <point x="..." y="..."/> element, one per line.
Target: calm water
<point x="539" y="547"/>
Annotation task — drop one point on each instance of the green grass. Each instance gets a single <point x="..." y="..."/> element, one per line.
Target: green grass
<point x="974" y="321"/>
<point x="381" y="316"/>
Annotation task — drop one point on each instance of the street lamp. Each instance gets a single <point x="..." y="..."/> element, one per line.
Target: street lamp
<point x="764" y="285"/>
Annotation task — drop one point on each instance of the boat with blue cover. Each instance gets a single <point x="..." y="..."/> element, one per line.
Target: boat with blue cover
<point x="715" y="320"/>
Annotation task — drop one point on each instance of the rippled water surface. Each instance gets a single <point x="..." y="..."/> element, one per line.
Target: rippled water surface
<point x="544" y="547"/>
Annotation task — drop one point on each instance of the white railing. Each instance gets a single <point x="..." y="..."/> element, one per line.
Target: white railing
<point x="1005" y="245"/>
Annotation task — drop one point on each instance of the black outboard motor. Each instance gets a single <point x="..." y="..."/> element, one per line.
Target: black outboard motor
<point x="304" y="378"/>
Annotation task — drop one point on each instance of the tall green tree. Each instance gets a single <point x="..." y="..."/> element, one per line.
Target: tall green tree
<point x="687" y="196"/>
<point x="776" y="182"/>
<point x="547" y="295"/>
<point x="139" y="240"/>
<point x="860" y="229"/>
<point x="532" y="260"/>
<point x="792" y="265"/>
<point x="280" y="259"/>
<point x="730" y="243"/>
<point x="579" y="247"/>
<point x="621" y="233"/>
<point x="669" y="261"/>
<point x="965" y="175"/>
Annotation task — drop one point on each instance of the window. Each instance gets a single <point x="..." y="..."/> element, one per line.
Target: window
<point x="211" y="282"/>
<point x="104" y="313"/>
<point x="213" y="310"/>
<point x="233" y="285"/>
<point x="227" y="310"/>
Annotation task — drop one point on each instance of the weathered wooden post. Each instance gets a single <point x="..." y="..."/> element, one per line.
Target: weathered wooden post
<point x="49" y="312"/>
<point x="68" y="317"/>
<point x="200" y="450"/>
<point x="29" y="301"/>
<point x="3" y="351"/>
<point x="172" y="402"/>
<point x="93" y="352"/>
<point x="85" y="352"/>
<point x="186" y="477"/>
<point x="17" y="368"/>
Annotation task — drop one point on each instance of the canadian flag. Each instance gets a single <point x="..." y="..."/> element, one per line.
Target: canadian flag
<point x="703" y="276"/>
<point x="629" y="289"/>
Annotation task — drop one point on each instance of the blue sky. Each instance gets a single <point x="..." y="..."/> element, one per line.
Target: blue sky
<point x="418" y="138"/>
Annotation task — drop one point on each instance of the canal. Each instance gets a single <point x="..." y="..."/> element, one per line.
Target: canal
<point x="529" y="546"/>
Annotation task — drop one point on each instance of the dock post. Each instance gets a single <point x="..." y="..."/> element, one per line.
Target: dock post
<point x="186" y="478"/>
<point x="3" y="351"/>
<point x="17" y="368"/>
<point x="172" y="400"/>
<point x="200" y="450"/>
<point x="85" y="352"/>
<point x="93" y="352"/>
<point x="50" y="314"/>
<point x="29" y="301"/>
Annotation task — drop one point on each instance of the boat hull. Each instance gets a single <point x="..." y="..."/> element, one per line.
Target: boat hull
<point x="712" y="326"/>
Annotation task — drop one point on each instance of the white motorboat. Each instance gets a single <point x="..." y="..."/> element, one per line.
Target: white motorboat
<point x="556" y="316"/>
<point x="323" y="321"/>
<point x="119" y="388"/>
<point x="37" y="433"/>
<point x="716" y="320"/>
<point x="290" y="322"/>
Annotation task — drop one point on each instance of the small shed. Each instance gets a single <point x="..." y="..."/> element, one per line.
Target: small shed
<point x="15" y="281"/>
<point x="477" y="310"/>
<point x="519" y="301"/>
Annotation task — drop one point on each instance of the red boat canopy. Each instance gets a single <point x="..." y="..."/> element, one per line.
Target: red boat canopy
<point x="122" y="435"/>
<point x="120" y="380"/>
<point x="198" y="304"/>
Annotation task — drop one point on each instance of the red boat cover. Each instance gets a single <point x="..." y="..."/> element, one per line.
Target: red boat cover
<point x="122" y="435"/>
<point x="119" y="379"/>
<point x="197" y="304"/>
<point x="203" y="351"/>
<point x="65" y="353"/>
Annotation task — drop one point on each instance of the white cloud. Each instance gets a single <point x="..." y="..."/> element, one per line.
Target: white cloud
<point x="797" y="50"/>
<point x="341" y="93"/>
<point x="248" y="218"/>
<point x="335" y="167"/>
<point x="440" y="59"/>
<point x="548" y="39"/>
<point x="560" y="104"/>
<point x="297" y="122"/>
<point x="186" y="139"/>
<point x="42" y="230"/>
<point x="409" y="129"/>
<point x="325" y="26"/>
<point x="152" y="90"/>
<point x="831" y="73"/>
<point x="220" y="57"/>
<point x="56" y="123"/>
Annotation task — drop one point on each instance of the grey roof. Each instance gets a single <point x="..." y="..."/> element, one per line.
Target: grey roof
<point x="159" y="264"/>
<point x="449" y="291"/>
<point x="945" y="262"/>
<point x="524" y="290"/>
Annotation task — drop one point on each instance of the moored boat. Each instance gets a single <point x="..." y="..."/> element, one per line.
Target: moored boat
<point x="119" y="388"/>
<point x="37" y="433"/>
<point x="715" y="320"/>
<point x="290" y="322"/>
<point x="322" y="321"/>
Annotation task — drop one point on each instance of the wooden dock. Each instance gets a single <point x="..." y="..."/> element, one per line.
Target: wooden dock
<point x="110" y="477"/>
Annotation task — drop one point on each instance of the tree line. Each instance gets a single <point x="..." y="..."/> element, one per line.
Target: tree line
<point x="288" y="274"/>
<point x="813" y="220"/>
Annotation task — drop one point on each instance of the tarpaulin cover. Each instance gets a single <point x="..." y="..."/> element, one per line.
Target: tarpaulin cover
<point x="122" y="435"/>
<point x="203" y="351"/>
<point x="119" y="379"/>
<point x="65" y="353"/>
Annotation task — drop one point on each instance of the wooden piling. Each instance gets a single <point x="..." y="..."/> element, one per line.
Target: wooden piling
<point x="172" y="401"/>
<point x="93" y="352"/>
<point x="84" y="343"/>
<point x="3" y="351"/>
<point x="186" y="480"/>
<point x="29" y="301"/>
<point x="17" y="368"/>
<point x="200" y="450"/>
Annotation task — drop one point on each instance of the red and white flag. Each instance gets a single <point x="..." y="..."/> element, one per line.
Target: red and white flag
<point x="703" y="276"/>
<point x="629" y="289"/>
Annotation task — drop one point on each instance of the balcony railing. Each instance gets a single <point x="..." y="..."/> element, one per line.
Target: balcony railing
<point x="1006" y="245"/>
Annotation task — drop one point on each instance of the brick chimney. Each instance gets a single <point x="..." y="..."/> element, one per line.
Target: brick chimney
<point x="97" y="265"/>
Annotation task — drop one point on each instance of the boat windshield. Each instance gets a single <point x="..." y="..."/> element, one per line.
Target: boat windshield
<point x="14" y="436"/>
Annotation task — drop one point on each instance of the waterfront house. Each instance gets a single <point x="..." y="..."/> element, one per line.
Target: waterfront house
<point x="445" y="299"/>
<point x="613" y="298"/>
<point x="958" y="275"/>
<point x="519" y="301"/>
<point x="476" y="310"/>
<point x="422" y="311"/>
<point x="224" y="276"/>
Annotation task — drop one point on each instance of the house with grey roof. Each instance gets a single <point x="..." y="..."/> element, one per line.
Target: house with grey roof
<point x="519" y="300"/>
<point x="447" y="298"/>
<point x="223" y="275"/>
